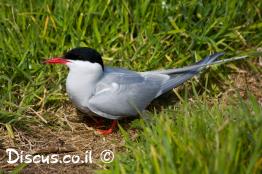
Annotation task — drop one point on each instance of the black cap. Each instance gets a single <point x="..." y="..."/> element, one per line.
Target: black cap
<point x="84" y="54"/>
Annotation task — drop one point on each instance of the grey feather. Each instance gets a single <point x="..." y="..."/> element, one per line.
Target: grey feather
<point x="124" y="93"/>
<point x="115" y="93"/>
<point x="177" y="78"/>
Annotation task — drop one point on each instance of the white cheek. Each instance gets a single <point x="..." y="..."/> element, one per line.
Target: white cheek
<point x="84" y="66"/>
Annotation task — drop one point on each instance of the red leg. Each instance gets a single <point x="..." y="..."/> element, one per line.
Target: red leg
<point x="110" y="130"/>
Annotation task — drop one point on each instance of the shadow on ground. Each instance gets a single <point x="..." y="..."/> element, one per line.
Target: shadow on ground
<point x="71" y="132"/>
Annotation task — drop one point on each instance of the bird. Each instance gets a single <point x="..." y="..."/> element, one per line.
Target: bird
<point x="116" y="93"/>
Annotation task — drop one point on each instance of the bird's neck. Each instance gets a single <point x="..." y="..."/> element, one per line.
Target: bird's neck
<point x="80" y="85"/>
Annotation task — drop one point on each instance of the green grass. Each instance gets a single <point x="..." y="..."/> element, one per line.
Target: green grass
<point x="201" y="139"/>
<point x="141" y="36"/>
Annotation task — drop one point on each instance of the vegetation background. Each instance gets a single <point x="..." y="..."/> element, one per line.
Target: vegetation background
<point x="209" y="125"/>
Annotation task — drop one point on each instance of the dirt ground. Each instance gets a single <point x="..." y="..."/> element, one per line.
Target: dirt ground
<point x="78" y="137"/>
<point x="78" y="133"/>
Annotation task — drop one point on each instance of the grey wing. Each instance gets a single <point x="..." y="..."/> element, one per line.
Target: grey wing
<point x="125" y="94"/>
<point x="179" y="76"/>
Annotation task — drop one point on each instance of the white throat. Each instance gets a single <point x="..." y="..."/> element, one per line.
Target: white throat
<point x="81" y="80"/>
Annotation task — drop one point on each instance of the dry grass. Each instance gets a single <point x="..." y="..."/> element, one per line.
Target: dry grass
<point x="75" y="133"/>
<point x="76" y="137"/>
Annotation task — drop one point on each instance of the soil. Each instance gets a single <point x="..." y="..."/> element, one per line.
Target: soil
<point x="75" y="133"/>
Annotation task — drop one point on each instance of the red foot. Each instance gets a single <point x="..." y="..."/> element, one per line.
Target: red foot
<point x="110" y="130"/>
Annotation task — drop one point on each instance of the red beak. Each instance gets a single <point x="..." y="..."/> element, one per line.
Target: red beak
<point x="57" y="60"/>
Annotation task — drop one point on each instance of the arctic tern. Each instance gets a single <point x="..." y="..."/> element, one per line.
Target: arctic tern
<point x="115" y="93"/>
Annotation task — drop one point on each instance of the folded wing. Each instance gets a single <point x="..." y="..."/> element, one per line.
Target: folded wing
<point x="124" y="93"/>
<point x="180" y="75"/>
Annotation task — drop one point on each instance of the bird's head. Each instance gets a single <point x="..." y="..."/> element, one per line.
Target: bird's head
<point x="78" y="58"/>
